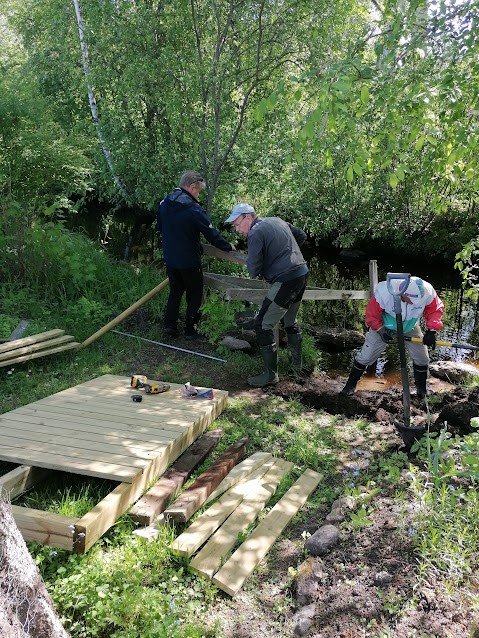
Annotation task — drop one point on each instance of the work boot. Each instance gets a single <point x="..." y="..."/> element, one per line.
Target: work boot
<point x="295" y="343"/>
<point x="270" y="374"/>
<point x="420" y="378"/>
<point x="354" y="376"/>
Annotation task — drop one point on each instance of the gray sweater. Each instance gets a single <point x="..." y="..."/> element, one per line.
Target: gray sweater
<point x="273" y="250"/>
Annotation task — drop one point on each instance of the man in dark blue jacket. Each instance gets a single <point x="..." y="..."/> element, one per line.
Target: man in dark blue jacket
<point x="181" y="222"/>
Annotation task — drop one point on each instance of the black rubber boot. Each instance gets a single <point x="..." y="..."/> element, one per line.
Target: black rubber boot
<point x="295" y="343"/>
<point x="420" y="378"/>
<point x="354" y="376"/>
<point x="270" y="374"/>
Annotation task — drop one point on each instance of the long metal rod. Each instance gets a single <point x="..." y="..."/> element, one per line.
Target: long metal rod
<point x="166" y="345"/>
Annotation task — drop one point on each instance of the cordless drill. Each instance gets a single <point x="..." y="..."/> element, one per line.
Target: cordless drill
<point x="140" y="381"/>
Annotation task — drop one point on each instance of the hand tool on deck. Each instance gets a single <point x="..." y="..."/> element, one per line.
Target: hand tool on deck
<point x="140" y="381"/>
<point x="190" y="392"/>
<point x="408" y="434"/>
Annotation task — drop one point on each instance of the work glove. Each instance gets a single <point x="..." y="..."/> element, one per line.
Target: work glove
<point x="429" y="339"/>
<point x="385" y="334"/>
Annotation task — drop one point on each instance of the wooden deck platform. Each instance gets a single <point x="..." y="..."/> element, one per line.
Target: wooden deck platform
<point x="95" y="429"/>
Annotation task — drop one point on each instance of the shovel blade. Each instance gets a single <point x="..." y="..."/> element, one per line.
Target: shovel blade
<point x="409" y="435"/>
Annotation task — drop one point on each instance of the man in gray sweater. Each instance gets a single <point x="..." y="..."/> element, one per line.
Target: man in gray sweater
<point x="274" y="255"/>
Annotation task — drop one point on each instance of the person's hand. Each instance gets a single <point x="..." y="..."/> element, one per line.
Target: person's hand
<point x="385" y="334"/>
<point x="429" y="339"/>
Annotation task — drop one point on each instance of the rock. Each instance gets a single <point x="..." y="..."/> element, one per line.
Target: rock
<point x="338" y="339"/>
<point x="336" y="516"/>
<point x="303" y="619"/>
<point x="452" y="371"/>
<point x="308" y="579"/>
<point x="232" y="343"/>
<point x="322" y="540"/>
<point x="382" y="579"/>
<point x="345" y="502"/>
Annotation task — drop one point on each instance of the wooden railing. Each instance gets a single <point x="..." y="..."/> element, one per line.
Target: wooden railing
<point x="253" y="290"/>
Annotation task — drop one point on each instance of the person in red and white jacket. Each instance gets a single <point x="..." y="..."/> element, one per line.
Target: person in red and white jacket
<point x="418" y="300"/>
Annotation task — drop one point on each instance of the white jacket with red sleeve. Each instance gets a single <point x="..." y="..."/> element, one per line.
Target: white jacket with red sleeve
<point x="380" y="308"/>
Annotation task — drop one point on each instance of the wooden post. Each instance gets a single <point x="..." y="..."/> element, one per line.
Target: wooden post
<point x="124" y="314"/>
<point x="373" y="276"/>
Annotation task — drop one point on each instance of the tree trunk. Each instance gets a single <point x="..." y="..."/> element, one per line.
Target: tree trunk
<point x="26" y="608"/>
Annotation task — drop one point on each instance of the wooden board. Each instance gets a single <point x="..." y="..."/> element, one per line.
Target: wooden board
<point x="151" y="504"/>
<point x="42" y="345"/>
<point x="22" y="478"/>
<point x="210" y="520"/>
<point x="231" y="576"/>
<point x="193" y="498"/>
<point x="240" y="472"/>
<point x="73" y="345"/>
<point x="26" y="341"/>
<point x="213" y="554"/>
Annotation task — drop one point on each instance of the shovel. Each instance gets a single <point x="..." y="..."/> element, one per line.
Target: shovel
<point x="408" y="434"/>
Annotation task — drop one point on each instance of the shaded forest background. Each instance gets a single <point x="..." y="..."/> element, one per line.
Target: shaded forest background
<point x="358" y="120"/>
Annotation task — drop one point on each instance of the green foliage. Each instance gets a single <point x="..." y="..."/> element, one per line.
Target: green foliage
<point x="218" y="316"/>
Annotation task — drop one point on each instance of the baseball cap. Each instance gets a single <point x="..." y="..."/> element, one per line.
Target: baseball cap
<point x="190" y="177"/>
<point x="239" y="209"/>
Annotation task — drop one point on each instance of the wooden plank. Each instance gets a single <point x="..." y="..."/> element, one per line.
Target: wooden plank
<point x="47" y="528"/>
<point x="234" y="255"/>
<point x="43" y="353"/>
<point x="193" y="498"/>
<point x="77" y="428"/>
<point x="240" y="472"/>
<point x="36" y="346"/>
<point x="212" y="555"/>
<point x="64" y="463"/>
<point x="210" y="520"/>
<point x="26" y="341"/>
<point x="21" y="479"/>
<point x="151" y="504"/>
<point x="225" y="282"/>
<point x="94" y="524"/>
<point x="14" y="435"/>
<point x="80" y="454"/>
<point x="231" y="576"/>
<point x="153" y="424"/>
<point x="257" y="296"/>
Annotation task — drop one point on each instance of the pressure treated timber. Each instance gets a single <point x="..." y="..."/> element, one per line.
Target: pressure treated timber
<point x="26" y="341"/>
<point x="73" y="345"/>
<point x="193" y="498"/>
<point x="22" y="478"/>
<point x="231" y="576"/>
<point x="240" y="472"/>
<point x="42" y="345"/>
<point x="212" y="518"/>
<point x="94" y="429"/>
<point x="47" y="528"/>
<point x="154" y="501"/>
<point x="212" y="555"/>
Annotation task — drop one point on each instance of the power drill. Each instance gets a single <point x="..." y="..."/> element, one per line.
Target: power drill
<point x="140" y="381"/>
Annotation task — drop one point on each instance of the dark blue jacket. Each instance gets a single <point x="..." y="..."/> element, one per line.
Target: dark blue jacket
<point x="181" y="222"/>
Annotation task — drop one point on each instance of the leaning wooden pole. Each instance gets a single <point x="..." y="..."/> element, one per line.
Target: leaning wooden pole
<point x="124" y="314"/>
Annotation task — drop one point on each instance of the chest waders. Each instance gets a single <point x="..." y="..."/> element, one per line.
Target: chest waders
<point x="408" y="434"/>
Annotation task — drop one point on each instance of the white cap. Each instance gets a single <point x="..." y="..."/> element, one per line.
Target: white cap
<point x="239" y="209"/>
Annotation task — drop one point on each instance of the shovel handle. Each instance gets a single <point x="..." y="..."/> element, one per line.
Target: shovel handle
<point x="448" y="344"/>
<point x="402" y="276"/>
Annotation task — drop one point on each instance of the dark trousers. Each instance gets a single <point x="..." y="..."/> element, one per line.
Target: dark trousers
<point x="187" y="281"/>
<point x="281" y="304"/>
